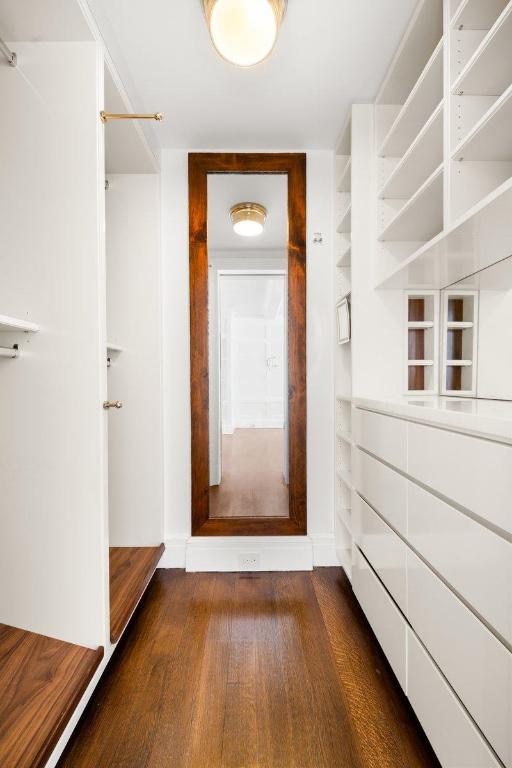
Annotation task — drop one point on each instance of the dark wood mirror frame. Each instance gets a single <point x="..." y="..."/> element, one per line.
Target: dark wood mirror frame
<point x="294" y="166"/>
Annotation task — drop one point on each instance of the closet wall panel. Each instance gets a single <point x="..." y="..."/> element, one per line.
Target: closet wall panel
<point x="134" y="376"/>
<point x="51" y="266"/>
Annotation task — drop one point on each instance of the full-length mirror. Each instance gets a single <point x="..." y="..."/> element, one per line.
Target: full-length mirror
<point x="247" y="266"/>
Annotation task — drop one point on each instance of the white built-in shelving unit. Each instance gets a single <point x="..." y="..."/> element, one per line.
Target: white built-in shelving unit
<point x="459" y="342"/>
<point x="343" y="362"/>
<point x="421" y="342"/>
<point x="444" y="146"/>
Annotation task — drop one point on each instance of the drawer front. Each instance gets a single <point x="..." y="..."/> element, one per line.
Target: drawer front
<point x="384" y="488"/>
<point x="384" y="436"/>
<point x="475" y="663"/>
<point x="475" y="561"/>
<point x="475" y="473"/>
<point x="454" y="737"/>
<point x="383" y="548"/>
<point x="385" y="619"/>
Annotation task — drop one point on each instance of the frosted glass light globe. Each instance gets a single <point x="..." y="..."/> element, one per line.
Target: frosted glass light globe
<point x="243" y="31"/>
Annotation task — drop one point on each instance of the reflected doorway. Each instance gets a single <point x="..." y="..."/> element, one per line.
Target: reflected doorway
<point x="249" y="442"/>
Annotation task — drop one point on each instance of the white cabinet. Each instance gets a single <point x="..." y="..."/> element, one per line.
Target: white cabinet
<point x="383" y="548"/>
<point x="382" y="487"/>
<point x="385" y="619"/>
<point x="474" y="560"/>
<point x="476" y="664"/>
<point x="475" y="473"/>
<point x="454" y="737"/>
<point x="383" y="436"/>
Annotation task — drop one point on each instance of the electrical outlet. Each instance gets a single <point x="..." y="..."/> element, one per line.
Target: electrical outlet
<point x="249" y="561"/>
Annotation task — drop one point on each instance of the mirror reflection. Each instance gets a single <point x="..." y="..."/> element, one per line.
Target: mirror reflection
<point x="479" y="332"/>
<point x="247" y="302"/>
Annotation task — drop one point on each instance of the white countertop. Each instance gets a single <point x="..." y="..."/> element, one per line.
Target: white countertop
<point x="485" y="418"/>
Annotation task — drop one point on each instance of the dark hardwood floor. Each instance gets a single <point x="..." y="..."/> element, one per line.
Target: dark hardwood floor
<point x="270" y="670"/>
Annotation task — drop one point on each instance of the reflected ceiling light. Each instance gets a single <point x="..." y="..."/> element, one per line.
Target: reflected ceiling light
<point x="248" y="219"/>
<point x="244" y="32"/>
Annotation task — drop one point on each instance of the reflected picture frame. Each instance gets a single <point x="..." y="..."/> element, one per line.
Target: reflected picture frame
<point x="343" y="320"/>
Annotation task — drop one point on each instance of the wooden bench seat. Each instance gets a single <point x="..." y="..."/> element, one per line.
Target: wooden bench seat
<point x="41" y="682"/>
<point x="131" y="570"/>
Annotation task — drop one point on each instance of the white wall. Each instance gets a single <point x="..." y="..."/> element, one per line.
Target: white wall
<point x="52" y="555"/>
<point x="135" y="434"/>
<point x="177" y="362"/>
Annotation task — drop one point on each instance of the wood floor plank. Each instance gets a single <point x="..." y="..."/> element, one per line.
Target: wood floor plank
<point x="270" y="670"/>
<point x="131" y="569"/>
<point x="387" y="733"/>
<point x="41" y="683"/>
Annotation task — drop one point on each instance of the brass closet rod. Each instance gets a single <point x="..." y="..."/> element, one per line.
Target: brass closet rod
<point x="119" y="116"/>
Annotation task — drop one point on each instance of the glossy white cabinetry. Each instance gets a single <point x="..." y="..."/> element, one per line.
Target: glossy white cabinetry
<point x="476" y="664"/>
<point x="386" y="621"/>
<point x="475" y="473"/>
<point x="476" y="562"/>
<point x="382" y="547"/>
<point x="440" y="501"/>
<point x="382" y="487"/>
<point x="383" y="436"/>
<point x="454" y="737"/>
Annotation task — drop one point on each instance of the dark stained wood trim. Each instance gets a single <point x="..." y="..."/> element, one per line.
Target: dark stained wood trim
<point x="131" y="570"/>
<point x="294" y="166"/>
<point x="41" y="683"/>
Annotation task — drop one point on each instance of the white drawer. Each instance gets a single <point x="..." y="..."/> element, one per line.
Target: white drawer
<point x="385" y="619"/>
<point x="454" y="737"/>
<point x="382" y="547"/>
<point x="383" y="488"/>
<point x="475" y="561"/>
<point x="384" y="436"/>
<point x="475" y="473"/>
<point x="476" y="664"/>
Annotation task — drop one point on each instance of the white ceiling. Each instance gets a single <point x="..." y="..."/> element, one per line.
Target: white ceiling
<point x="225" y="190"/>
<point x="330" y="53"/>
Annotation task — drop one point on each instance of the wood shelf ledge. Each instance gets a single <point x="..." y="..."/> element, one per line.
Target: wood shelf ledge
<point x="16" y="324"/>
<point x="131" y="570"/>
<point x="41" y="683"/>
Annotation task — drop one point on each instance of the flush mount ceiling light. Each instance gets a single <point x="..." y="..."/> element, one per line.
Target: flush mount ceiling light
<point x="244" y="32"/>
<point x="248" y="219"/>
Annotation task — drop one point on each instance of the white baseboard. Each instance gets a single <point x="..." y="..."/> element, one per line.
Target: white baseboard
<point x="175" y="552"/>
<point x="324" y="550"/>
<point x="229" y="553"/>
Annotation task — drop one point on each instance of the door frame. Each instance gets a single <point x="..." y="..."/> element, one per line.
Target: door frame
<point x="293" y="165"/>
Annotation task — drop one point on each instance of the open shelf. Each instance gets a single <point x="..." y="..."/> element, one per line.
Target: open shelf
<point x="477" y="14"/>
<point x="489" y="70"/>
<point x="343" y="434"/>
<point x="345" y="475"/>
<point x="131" y="570"/>
<point x="344" y="516"/>
<point x="423" y="156"/>
<point x="41" y="682"/>
<point x="421" y="37"/>
<point x="461" y="249"/>
<point x="114" y="348"/>
<point x="422" y="215"/>
<point x="15" y="324"/>
<point x="344" y="184"/>
<point x="491" y="138"/>
<point x="420" y="325"/>
<point x="344" y="259"/>
<point x="421" y="103"/>
<point x="454" y="325"/>
<point x="345" y="225"/>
